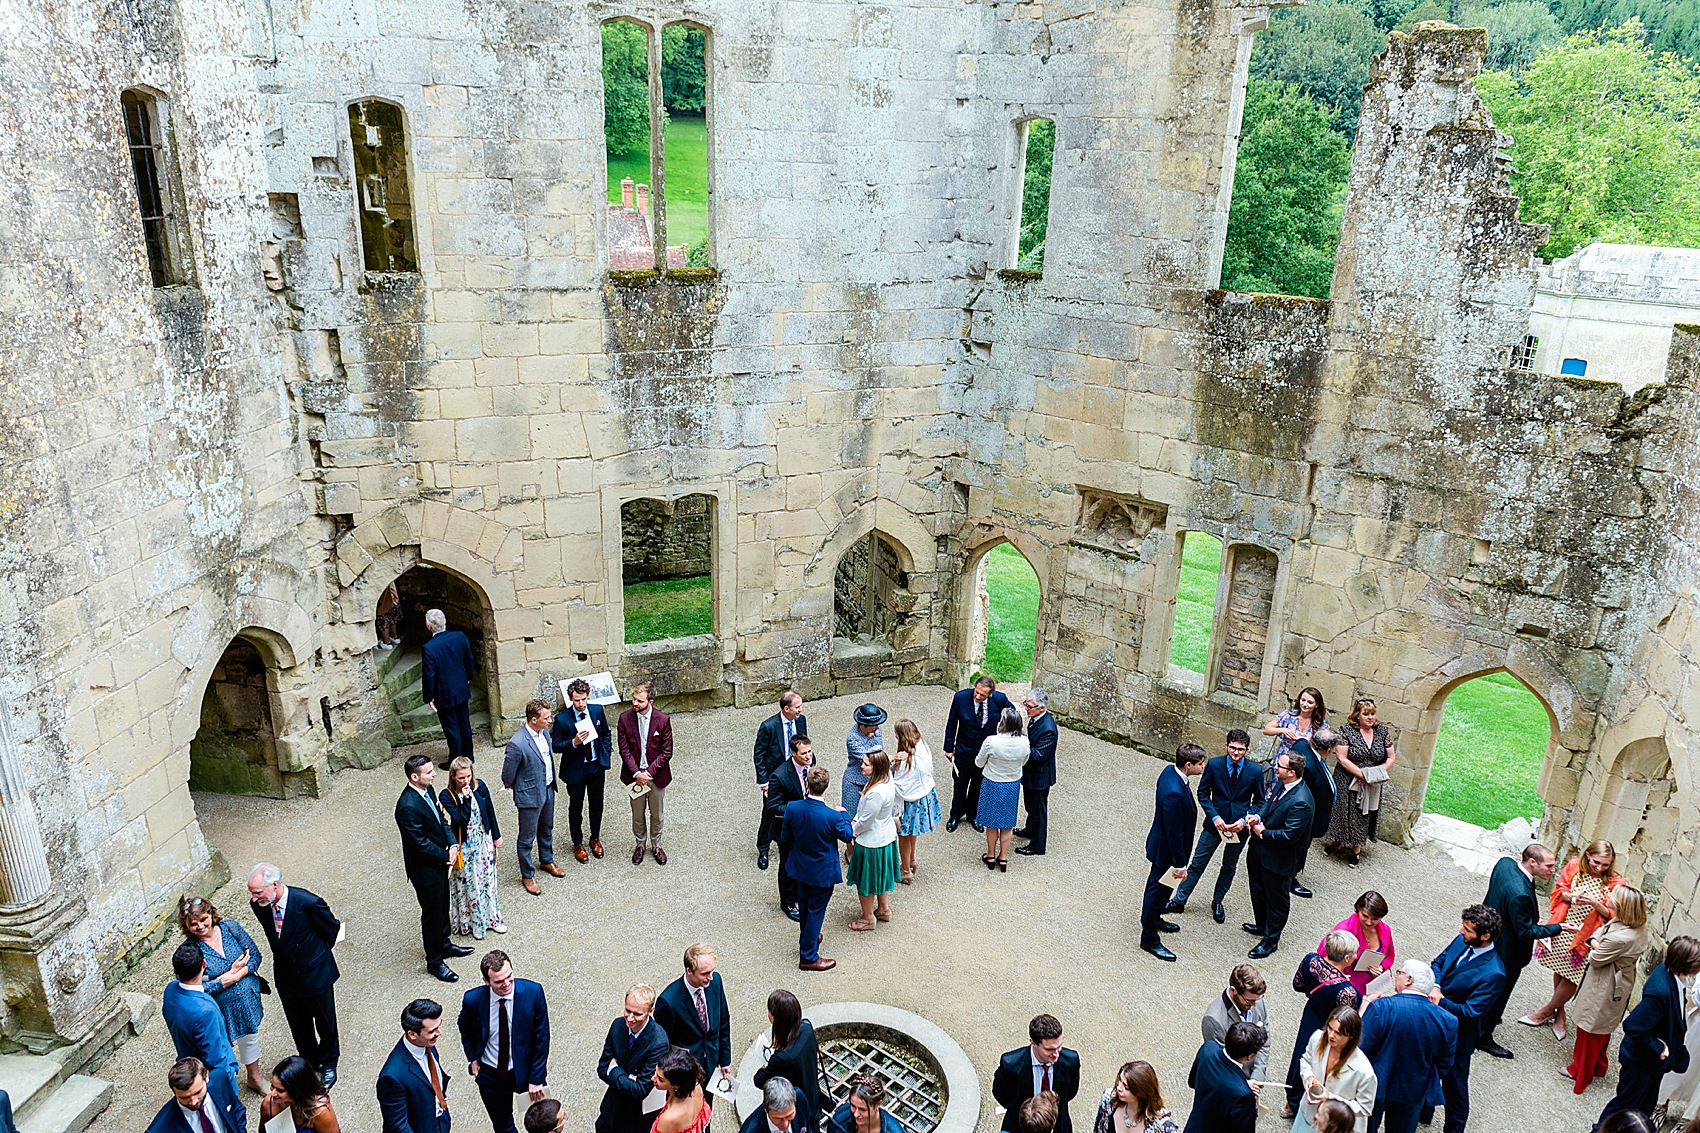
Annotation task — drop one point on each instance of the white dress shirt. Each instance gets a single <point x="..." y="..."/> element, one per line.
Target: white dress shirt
<point x="543" y="750"/>
<point x="421" y="1055"/>
<point x="193" y="1116"/>
<point x="1039" y="1074"/>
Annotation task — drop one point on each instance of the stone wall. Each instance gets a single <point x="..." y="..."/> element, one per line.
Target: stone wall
<point x="666" y="538"/>
<point x="1244" y="624"/>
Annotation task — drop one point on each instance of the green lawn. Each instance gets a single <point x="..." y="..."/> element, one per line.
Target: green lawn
<point x="1195" y="603"/>
<point x="1487" y="759"/>
<point x="1013" y="589"/>
<point x="674" y="607"/>
<point x="687" y="178"/>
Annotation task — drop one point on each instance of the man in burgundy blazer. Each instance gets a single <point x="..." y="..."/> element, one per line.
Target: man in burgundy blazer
<point x="646" y="756"/>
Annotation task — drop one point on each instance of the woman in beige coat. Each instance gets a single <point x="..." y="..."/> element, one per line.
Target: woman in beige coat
<point x="1603" y="997"/>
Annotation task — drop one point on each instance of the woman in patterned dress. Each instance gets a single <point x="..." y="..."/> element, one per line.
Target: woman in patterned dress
<point x="1323" y="981"/>
<point x="1134" y="1104"/>
<point x="912" y="775"/>
<point x="1579" y="903"/>
<point x="1307" y="714"/>
<point x="1357" y="802"/>
<point x="233" y="959"/>
<point x="472" y="887"/>
<point x="865" y="736"/>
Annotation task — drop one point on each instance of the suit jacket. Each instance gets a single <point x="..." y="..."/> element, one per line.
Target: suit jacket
<point x="1286" y="831"/>
<point x="1471" y="990"/>
<point x="771" y="750"/>
<point x="1222" y="1100"/>
<point x="799" y="1064"/>
<point x="302" y="960"/>
<point x="676" y="1011"/>
<point x="660" y="749"/>
<point x="528" y="1031"/>
<point x="1012" y="1084"/>
<point x="1169" y="842"/>
<point x="1512" y="895"/>
<point x="809" y="840"/>
<point x="460" y="814"/>
<point x="197" y="1028"/>
<point x="1228" y="798"/>
<point x="627" y="1064"/>
<point x="580" y="763"/>
<point x="1410" y="1042"/>
<point x="447" y="677"/>
<point x="963" y="731"/>
<point x="1320" y="780"/>
<point x="1039" y="773"/>
<point x="425" y="836"/>
<point x="1222" y="1014"/>
<point x="802" y="1123"/>
<point x="221" y="1096"/>
<point x="783" y="789"/>
<point x="405" y="1098"/>
<point x="1656" y="1019"/>
<point x="526" y="771"/>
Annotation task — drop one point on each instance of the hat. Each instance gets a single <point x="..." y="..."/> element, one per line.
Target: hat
<point x="870" y="716"/>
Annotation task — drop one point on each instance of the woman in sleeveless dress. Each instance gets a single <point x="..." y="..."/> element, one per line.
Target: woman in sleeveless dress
<point x="1358" y="802"/>
<point x="296" y="1087"/>
<point x="680" y="1077"/>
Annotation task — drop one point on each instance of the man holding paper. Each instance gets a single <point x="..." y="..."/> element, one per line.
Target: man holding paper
<point x="633" y="1048"/>
<point x="581" y="736"/>
<point x="692" y="1011"/>
<point x="504" y="1030"/>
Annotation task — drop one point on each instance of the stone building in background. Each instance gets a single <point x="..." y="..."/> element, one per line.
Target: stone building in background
<point x="300" y="301"/>
<point x="1607" y="311"/>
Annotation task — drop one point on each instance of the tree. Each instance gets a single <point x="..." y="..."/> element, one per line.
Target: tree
<point x="684" y="69"/>
<point x="1671" y="25"/>
<point x="1517" y="31"/>
<point x="1036" y="193"/>
<point x="1606" y="144"/>
<point x="1289" y="181"/>
<point x="1323" y="49"/>
<point x="625" y="88"/>
<point x="1425" y="10"/>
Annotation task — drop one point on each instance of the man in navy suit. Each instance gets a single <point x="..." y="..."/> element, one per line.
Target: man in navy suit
<point x="446" y="683"/>
<point x="528" y="770"/>
<point x="200" y="1102"/>
<point x="1409" y="1041"/>
<point x="1039" y="773"/>
<point x="1028" y="1071"/>
<point x="1319" y="781"/>
<point x="1469" y="977"/>
<point x="194" y="1020"/>
<point x="1654" y="1034"/>
<point x="301" y="930"/>
<point x="974" y="715"/>
<point x="692" y="1010"/>
<point x="413" y="1086"/>
<point x="1226" y="791"/>
<point x="504" y="1029"/>
<point x="789" y="784"/>
<point x="630" y="1054"/>
<point x="808" y="843"/>
<point x="1280" y="827"/>
<point x="1223" y="1099"/>
<point x="1511" y="894"/>
<point x="584" y="765"/>
<point x="427" y="852"/>
<point x="1167" y="845"/>
<point x="778" y="1111"/>
<point x="773" y="748"/>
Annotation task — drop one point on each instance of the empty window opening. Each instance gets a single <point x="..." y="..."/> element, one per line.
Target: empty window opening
<point x="1523" y="354"/>
<point x="235" y="749"/>
<point x="627" y="131"/>
<point x="1038" y="143"/>
<point x="1575" y="367"/>
<point x="667" y="567"/>
<point x="872" y="611"/>
<point x="1195" y="600"/>
<point x="1493" y="741"/>
<point x="383" y="191"/>
<point x="1006" y="628"/>
<point x="684" y="199"/>
<point x="144" y="131"/>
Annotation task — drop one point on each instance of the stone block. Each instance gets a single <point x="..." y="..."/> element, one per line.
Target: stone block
<point x="493" y="439"/>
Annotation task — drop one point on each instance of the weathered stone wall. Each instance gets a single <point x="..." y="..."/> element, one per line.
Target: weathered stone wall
<point x="666" y="538"/>
<point x="1245" y="622"/>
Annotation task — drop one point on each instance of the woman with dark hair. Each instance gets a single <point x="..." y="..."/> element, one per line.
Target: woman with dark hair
<point x="1333" y="1068"/>
<point x="1361" y="786"/>
<point x="1003" y="756"/>
<point x="1134" y="1104"/>
<point x="796" y="1056"/>
<point x="1653" y="1034"/>
<point x="1629" y="1121"/>
<point x="1369" y="925"/>
<point x="232" y="961"/>
<point x="873" y="855"/>
<point x="1321" y="979"/>
<point x="1578" y="902"/>
<point x="1307" y="714"/>
<point x="680" y="1076"/>
<point x="861" y="1112"/>
<point x="296" y="1087"/>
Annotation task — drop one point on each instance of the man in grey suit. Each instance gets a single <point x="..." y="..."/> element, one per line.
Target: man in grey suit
<point x="528" y="770"/>
<point x="1241" y="1002"/>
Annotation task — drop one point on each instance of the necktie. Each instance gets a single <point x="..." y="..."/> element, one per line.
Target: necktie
<point x="982" y="714"/>
<point x="206" y="1122"/>
<point x="1233" y="772"/>
<point x="702" y="1010"/>
<point x="1045" y="1069"/>
<point x="277" y="919"/>
<point x="502" y="1050"/>
<point x="788" y="735"/>
<point x="436" y="1080"/>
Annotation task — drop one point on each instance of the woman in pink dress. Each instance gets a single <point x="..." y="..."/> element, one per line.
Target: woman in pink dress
<point x="1367" y="924"/>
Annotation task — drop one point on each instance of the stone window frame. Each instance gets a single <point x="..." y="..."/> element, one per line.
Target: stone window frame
<point x="410" y="156"/>
<point x="723" y="557"/>
<point x="176" y="262"/>
<point x="1015" y="161"/>
<point x="1161" y="632"/>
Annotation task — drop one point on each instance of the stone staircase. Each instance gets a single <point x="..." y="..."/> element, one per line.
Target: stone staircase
<point x="45" y="1099"/>
<point x="400" y="670"/>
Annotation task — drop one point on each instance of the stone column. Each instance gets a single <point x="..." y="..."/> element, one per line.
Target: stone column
<point x="24" y="880"/>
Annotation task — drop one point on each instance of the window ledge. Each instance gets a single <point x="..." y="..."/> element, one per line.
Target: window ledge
<point x="649" y="277"/>
<point x="1019" y="275"/>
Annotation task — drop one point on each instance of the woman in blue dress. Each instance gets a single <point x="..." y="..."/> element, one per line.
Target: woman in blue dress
<point x="233" y="961"/>
<point x="1307" y="714"/>
<point x="865" y="737"/>
<point x="861" y="1112"/>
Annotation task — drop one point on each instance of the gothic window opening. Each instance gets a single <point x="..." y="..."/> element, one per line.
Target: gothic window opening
<point x="667" y="567"/>
<point x="144" y="132"/>
<point x="1195" y="600"/>
<point x="1037" y="138"/>
<point x="383" y="190"/>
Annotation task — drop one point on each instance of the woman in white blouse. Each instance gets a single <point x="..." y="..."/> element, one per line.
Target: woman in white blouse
<point x="1003" y="756"/>
<point x="873" y="856"/>
<point x="912" y="775"/>
<point x="1332" y="1066"/>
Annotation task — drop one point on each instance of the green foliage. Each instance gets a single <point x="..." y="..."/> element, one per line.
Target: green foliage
<point x="1671" y="25"/>
<point x="1289" y="183"/>
<point x="672" y="607"/>
<point x="1386" y="14"/>
<point x="1426" y="10"/>
<point x="1195" y="601"/>
<point x="1517" y="31"/>
<point x="684" y="69"/>
<point x="1036" y="193"/>
<point x="1013" y="619"/>
<point x="1487" y="758"/>
<point x="1605" y="141"/>
<point x="625" y="90"/>
<point x="686" y="141"/>
<point x="1323" y="49"/>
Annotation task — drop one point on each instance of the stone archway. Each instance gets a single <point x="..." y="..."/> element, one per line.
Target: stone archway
<point x="874" y="627"/>
<point x="979" y="610"/>
<point x="1637" y="810"/>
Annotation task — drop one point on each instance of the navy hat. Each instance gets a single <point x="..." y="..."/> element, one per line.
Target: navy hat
<point x="870" y="716"/>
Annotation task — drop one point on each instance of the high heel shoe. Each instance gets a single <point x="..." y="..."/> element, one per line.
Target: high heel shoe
<point x="1003" y="865"/>
<point x="991" y="862"/>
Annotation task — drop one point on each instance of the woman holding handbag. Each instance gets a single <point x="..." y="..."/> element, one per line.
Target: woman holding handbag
<point x="1362" y="788"/>
<point x="472" y="883"/>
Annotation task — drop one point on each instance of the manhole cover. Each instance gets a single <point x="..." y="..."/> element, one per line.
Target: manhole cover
<point x="914" y="1092"/>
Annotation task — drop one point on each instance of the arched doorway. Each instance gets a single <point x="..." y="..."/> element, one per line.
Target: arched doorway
<point x="872" y="610"/>
<point x="430" y="587"/>
<point x="1492" y="745"/>
<point x="235" y="749"/>
<point x="1005" y="636"/>
<point x="1637" y="812"/>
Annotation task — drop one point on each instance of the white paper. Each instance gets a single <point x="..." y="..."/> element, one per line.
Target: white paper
<point x="1229" y="837"/>
<point x="282" y="1122"/>
<point x="1368" y="960"/>
<point x="656" y="1099"/>
<point x="341" y="933"/>
<point x="726" y="1087"/>
<point x="1380" y="985"/>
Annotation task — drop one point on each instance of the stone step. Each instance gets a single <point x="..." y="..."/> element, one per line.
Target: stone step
<point x="71" y="1108"/>
<point x="421" y="725"/>
<point x="29" y="1080"/>
<point x="405" y="669"/>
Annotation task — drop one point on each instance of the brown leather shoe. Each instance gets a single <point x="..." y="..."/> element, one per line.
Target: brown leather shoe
<point x="824" y="964"/>
<point x="580" y="856"/>
<point x="532" y="887"/>
<point x="596" y="847"/>
<point x="637" y="856"/>
<point x="660" y="856"/>
<point x="553" y="870"/>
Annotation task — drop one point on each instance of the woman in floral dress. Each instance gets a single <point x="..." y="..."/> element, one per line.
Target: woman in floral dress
<point x="472" y="886"/>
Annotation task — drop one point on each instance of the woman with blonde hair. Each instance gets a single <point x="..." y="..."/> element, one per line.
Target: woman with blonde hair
<point x="1323" y="981"/>
<point x="917" y="793"/>
<point x="1579" y="902"/>
<point x="1134" y="1104"/>
<point x="873" y="855"/>
<point x="472" y="883"/>
<point x="1607" y="978"/>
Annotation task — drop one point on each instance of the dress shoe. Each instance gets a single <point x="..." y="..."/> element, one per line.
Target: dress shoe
<point x="1175" y="907"/>
<point x="553" y="870"/>
<point x="794" y="913"/>
<point x="761" y="858"/>
<point x="457" y="950"/>
<point x="660" y="855"/>
<point x="1300" y="891"/>
<point x="532" y="887"/>
<point x="444" y="765"/>
<point x="327" y="1076"/>
<point x="1029" y="851"/>
<point x="1489" y="1047"/>
<point x="978" y="829"/>
<point x="1159" y="951"/>
<point x="1267" y="948"/>
<point x="950" y="826"/>
<point x="1218" y="912"/>
<point x="824" y="964"/>
<point x="596" y="847"/>
<point x="1167" y="926"/>
<point x="637" y="856"/>
<point x="1023" y="833"/>
<point x="1254" y="929"/>
<point x="442" y="971"/>
<point x="579" y="853"/>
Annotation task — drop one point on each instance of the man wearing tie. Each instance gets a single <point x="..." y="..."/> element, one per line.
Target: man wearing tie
<point x="528" y="770"/>
<point x="789" y="784"/>
<point x="504" y="1029"/>
<point x="630" y="1054"/>
<point x="428" y="853"/>
<point x="1511" y="894"/>
<point x="692" y="1010"/>
<point x="302" y="931"/>
<point x="974" y="715"/>
<point x="445" y="680"/>
<point x="1167" y="845"/>
<point x="1039" y="773"/>
<point x="1227" y="789"/>
<point x="1319" y="781"/>
<point x="1279" y="826"/>
<point x="1224" y="1100"/>
<point x="581" y="736"/>
<point x="413" y="1087"/>
<point x="1471" y="977"/>
<point x="773" y="746"/>
<point x="1028" y="1071"/>
<point x="200" y="1103"/>
<point x="194" y="1021"/>
<point x="646" y="750"/>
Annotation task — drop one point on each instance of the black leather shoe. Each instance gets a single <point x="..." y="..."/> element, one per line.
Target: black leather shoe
<point x="950" y="827"/>
<point x="795" y="914"/>
<point x="761" y="858"/>
<point x="1488" y="1046"/>
<point x="1217" y="911"/>
<point x="1300" y="891"/>
<point x="1029" y="851"/>
<point x="1167" y="926"/>
<point x="1267" y="948"/>
<point x="1255" y="930"/>
<point x="457" y="950"/>
<point x="328" y="1076"/>
<point x="444" y="765"/>
<point x="1175" y="907"/>
<point x="978" y="829"/>
<point x="1023" y="833"/>
<point x="442" y="971"/>
<point x="1158" y="950"/>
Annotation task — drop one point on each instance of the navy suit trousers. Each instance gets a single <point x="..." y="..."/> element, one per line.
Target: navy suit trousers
<point x="1208" y="841"/>
<point x="496" y="1091"/>
<point x="1637" y="1089"/>
<point x="456" y="720"/>
<point x="1455" y="1090"/>
<point x="1271" y="902"/>
<point x="1400" y="1118"/>
<point x="1038" y="801"/>
<point x="1156" y="896"/>
<point x="813" y="900"/>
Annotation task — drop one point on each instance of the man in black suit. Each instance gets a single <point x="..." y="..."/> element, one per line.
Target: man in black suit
<point x="1039" y="773"/>
<point x="1279" y="825"/>
<point x="1223" y="1100"/>
<point x="584" y="766"/>
<point x="301" y="931"/>
<point x="1226" y="790"/>
<point x="630" y="1054"/>
<point x="413" y="1087"/>
<point x="1166" y="846"/>
<point x="504" y="1030"/>
<point x="1511" y="894"/>
<point x="446" y="682"/>
<point x="427" y="853"/>
<point x="1043" y="1064"/>
<point x="783" y="1110"/>
<point x="974" y="715"/>
<point x="1654" y="1033"/>
<point x="200" y="1101"/>
<point x="692" y="1011"/>
<point x="789" y="784"/>
<point x="773" y="747"/>
<point x="1319" y="781"/>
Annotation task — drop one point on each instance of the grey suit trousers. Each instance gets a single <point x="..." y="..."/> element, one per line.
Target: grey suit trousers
<point x="537" y="823"/>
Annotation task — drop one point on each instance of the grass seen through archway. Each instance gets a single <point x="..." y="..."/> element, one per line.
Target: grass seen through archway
<point x="1012" y="626"/>
<point x="1487" y="759"/>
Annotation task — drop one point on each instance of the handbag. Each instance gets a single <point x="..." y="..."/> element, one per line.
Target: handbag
<point x="265" y="985"/>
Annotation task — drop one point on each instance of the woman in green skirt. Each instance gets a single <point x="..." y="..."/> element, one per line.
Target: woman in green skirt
<point x="873" y="857"/>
